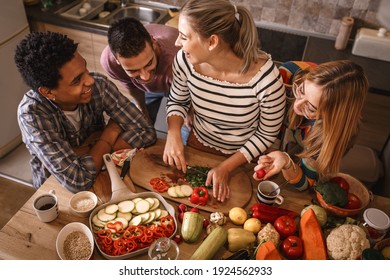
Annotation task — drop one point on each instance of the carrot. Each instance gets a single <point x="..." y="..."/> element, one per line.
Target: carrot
<point x="311" y="234"/>
<point x="267" y="251"/>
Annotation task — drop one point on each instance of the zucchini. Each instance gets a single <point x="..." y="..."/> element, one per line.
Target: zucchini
<point x="126" y="206"/>
<point x="211" y="245"/>
<point x="191" y="227"/>
<point x="111" y="209"/>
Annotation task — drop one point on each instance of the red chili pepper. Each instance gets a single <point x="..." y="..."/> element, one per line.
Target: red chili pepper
<point x="199" y="196"/>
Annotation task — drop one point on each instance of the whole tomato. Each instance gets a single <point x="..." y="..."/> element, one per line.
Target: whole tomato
<point x="286" y="226"/>
<point x="260" y="173"/>
<point x="292" y="247"/>
<point x="341" y="182"/>
<point x="353" y="202"/>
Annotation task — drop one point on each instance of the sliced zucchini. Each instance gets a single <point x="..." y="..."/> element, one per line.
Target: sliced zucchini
<point x="156" y="204"/>
<point x="97" y="222"/>
<point x="126" y="216"/>
<point x="163" y="213"/>
<point x="187" y="190"/>
<point x="152" y="216"/>
<point x="142" y="206"/>
<point x="135" y="221"/>
<point x="150" y="200"/>
<point x="179" y="191"/>
<point x="172" y="192"/>
<point x="144" y="217"/>
<point x="157" y="213"/>
<point x="124" y="222"/>
<point x="126" y="206"/>
<point x="104" y="217"/>
<point x="111" y="209"/>
<point x="135" y="200"/>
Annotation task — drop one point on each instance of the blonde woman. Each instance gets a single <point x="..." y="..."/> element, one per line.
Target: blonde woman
<point x="323" y="119"/>
<point x="234" y="89"/>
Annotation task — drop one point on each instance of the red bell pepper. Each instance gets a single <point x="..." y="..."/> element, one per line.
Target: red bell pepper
<point x="199" y="196"/>
<point x="269" y="214"/>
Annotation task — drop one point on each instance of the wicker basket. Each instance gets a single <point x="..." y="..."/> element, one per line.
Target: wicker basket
<point x="355" y="187"/>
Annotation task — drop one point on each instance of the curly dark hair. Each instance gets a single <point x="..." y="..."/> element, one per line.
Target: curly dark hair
<point x="127" y="37"/>
<point x="40" y="55"/>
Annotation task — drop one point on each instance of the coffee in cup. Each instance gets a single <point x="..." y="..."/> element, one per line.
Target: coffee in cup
<point x="268" y="192"/>
<point x="46" y="207"/>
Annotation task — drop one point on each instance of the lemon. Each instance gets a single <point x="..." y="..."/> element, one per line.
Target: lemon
<point x="386" y="252"/>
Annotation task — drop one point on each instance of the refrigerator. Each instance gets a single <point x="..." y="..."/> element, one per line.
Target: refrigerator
<point x="13" y="28"/>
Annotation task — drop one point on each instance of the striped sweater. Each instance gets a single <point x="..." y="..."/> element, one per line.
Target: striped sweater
<point x="230" y="117"/>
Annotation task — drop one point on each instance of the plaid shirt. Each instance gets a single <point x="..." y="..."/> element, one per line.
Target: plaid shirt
<point x="49" y="135"/>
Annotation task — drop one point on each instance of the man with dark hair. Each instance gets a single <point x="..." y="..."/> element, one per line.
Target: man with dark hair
<point x="61" y="117"/>
<point x="141" y="58"/>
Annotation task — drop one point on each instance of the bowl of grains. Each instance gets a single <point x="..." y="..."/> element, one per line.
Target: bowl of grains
<point x="75" y="242"/>
<point x="82" y="203"/>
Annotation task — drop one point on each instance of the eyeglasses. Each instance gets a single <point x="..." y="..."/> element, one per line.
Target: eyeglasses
<point x="309" y="110"/>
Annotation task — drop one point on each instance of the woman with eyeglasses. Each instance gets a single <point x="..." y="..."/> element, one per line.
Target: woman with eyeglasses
<point x="325" y="107"/>
<point x="235" y="90"/>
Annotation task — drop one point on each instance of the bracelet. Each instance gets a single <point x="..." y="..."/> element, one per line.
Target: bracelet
<point x="105" y="141"/>
<point x="290" y="161"/>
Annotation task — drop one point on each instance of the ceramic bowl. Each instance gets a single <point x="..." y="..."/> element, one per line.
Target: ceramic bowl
<point x="82" y="203"/>
<point x="75" y="242"/>
<point x="355" y="187"/>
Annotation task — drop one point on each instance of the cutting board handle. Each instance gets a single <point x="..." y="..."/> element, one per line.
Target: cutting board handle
<point x="117" y="185"/>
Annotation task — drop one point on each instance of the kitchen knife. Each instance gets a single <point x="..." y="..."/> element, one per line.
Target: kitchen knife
<point x="125" y="168"/>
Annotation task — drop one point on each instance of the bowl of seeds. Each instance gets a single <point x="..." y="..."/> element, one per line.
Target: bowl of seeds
<point x="75" y="242"/>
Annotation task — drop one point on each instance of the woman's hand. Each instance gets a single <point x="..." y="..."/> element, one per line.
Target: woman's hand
<point x="174" y="147"/>
<point x="174" y="153"/>
<point x="219" y="177"/>
<point x="272" y="164"/>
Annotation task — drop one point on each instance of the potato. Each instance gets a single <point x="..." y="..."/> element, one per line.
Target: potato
<point x="237" y="215"/>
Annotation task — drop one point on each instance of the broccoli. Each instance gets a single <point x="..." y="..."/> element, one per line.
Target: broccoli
<point x="333" y="194"/>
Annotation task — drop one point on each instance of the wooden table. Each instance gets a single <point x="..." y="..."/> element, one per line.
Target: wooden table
<point x="25" y="237"/>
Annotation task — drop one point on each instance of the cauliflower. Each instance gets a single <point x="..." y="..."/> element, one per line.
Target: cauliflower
<point x="268" y="233"/>
<point x="347" y="242"/>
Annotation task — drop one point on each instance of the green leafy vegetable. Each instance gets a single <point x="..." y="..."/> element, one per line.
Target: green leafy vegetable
<point x="333" y="194"/>
<point x="196" y="176"/>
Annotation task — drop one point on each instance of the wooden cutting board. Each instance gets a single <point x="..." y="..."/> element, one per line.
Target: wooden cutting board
<point x="148" y="164"/>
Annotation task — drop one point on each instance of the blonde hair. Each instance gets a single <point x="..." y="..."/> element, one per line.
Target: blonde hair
<point x="344" y="90"/>
<point x="233" y="24"/>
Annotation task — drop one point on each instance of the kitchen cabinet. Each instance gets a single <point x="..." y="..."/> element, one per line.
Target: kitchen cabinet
<point x="90" y="46"/>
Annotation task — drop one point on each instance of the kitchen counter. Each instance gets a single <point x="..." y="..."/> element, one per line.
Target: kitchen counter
<point x="281" y="45"/>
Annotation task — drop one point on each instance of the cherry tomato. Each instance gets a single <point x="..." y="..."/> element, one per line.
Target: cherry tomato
<point x="285" y="225"/>
<point x="341" y="182"/>
<point x="353" y="202"/>
<point x="260" y="173"/>
<point x="292" y="247"/>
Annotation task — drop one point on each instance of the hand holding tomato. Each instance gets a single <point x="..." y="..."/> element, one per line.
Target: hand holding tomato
<point x="260" y="174"/>
<point x="286" y="226"/>
<point x="292" y="247"/>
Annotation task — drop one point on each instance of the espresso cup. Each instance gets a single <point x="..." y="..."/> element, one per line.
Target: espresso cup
<point x="46" y="207"/>
<point x="268" y="192"/>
